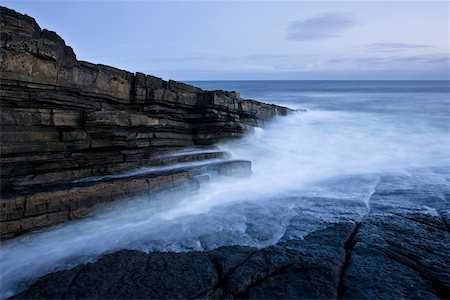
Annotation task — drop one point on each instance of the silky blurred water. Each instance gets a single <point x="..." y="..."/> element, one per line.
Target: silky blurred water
<point x="323" y="163"/>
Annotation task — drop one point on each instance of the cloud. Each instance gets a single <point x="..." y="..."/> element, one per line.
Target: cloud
<point x="388" y="47"/>
<point x="422" y="60"/>
<point x="410" y="60"/>
<point x="323" y="26"/>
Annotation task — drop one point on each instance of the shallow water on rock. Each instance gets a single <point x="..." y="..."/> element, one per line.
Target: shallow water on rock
<point x="311" y="169"/>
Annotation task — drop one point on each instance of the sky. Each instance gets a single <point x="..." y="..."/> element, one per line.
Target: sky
<point x="255" y="40"/>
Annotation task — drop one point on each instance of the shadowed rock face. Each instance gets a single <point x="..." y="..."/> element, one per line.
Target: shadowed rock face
<point x="63" y="120"/>
<point x="397" y="248"/>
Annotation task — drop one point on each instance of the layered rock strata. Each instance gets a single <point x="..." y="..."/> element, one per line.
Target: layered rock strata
<point x="38" y="208"/>
<point x="63" y="120"/>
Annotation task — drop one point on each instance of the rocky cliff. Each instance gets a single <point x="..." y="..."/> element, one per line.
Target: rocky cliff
<point x="63" y="120"/>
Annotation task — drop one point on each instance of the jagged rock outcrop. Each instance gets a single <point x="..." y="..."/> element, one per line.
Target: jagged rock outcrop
<point x="63" y="120"/>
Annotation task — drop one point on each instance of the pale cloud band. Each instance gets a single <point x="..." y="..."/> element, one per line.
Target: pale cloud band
<point x="323" y="26"/>
<point x="388" y="47"/>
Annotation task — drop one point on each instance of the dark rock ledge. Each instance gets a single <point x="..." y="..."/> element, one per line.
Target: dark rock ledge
<point x="397" y="249"/>
<point x="63" y="120"/>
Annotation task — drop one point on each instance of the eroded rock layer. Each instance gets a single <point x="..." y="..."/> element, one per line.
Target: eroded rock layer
<point x="63" y="119"/>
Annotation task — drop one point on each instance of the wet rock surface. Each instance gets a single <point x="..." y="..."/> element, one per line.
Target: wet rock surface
<point x="396" y="247"/>
<point x="402" y="249"/>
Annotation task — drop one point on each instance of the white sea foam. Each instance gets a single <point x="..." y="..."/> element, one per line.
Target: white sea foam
<point x="297" y="161"/>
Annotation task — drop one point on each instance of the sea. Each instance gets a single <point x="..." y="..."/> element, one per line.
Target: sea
<point x="343" y="136"/>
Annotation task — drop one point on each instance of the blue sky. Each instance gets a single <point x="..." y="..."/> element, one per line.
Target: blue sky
<point x="215" y="40"/>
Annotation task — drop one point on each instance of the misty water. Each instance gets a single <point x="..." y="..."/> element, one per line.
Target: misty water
<point x="325" y="163"/>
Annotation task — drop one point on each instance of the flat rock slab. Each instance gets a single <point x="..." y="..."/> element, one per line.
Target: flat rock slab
<point x="402" y="250"/>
